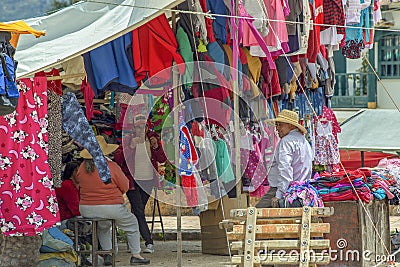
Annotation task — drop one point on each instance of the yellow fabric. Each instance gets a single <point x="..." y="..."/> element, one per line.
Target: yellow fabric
<point x="17" y="28"/>
<point x="70" y="256"/>
<point x="202" y="48"/>
<point x="293" y="85"/>
<point x="14" y="39"/>
<point x="20" y="27"/>
<point x="254" y="65"/>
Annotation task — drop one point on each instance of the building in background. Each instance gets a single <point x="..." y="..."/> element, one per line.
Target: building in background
<point x="356" y="84"/>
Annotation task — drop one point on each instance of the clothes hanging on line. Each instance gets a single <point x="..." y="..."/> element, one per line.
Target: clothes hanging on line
<point x="77" y="126"/>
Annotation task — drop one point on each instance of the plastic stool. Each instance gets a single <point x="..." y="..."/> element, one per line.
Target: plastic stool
<point x="95" y="248"/>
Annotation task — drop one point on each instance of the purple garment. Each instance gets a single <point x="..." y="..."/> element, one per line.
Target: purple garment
<point x="285" y="48"/>
<point x="294" y="44"/>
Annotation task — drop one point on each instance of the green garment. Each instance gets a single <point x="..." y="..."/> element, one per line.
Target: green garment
<point x="223" y="162"/>
<point x="186" y="52"/>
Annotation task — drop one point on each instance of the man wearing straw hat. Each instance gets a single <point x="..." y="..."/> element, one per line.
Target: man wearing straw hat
<point x="292" y="159"/>
<point x="99" y="200"/>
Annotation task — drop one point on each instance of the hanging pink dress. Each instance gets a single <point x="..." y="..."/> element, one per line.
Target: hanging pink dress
<point x="28" y="203"/>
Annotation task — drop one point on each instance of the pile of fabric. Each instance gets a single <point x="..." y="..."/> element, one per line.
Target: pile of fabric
<point x="304" y="192"/>
<point x="353" y="185"/>
<point x="340" y="186"/>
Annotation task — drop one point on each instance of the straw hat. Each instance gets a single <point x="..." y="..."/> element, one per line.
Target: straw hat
<point x="291" y="117"/>
<point x="106" y="148"/>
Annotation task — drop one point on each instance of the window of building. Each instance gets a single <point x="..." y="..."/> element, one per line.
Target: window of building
<point x="389" y="56"/>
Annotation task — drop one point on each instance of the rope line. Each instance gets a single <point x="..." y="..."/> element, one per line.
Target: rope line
<point x="212" y="15"/>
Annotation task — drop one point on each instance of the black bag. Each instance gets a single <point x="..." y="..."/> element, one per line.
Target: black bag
<point x="9" y="93"/>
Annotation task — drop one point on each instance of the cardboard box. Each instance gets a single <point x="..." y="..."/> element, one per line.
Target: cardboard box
<point x="213" y="239"/>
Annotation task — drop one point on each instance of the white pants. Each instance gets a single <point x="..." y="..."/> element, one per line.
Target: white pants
<point x="124" y="219"/>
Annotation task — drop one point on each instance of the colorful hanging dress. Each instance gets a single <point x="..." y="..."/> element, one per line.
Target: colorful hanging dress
<point x="28" y="203"/>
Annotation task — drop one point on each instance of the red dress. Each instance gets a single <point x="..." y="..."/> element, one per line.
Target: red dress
<point x="28" y="204"/>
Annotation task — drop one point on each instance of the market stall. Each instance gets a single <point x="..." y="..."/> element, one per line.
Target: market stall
<point x="209" y="94"/>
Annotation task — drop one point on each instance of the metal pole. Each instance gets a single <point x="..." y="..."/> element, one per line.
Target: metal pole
<point x="362" y="159"/>
<point x="178" y="180"/>
<point x="372" y="83"/>
<point x="236" y="122"/>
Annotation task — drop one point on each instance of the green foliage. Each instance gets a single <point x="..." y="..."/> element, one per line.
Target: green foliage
<point x="11" y="10"/>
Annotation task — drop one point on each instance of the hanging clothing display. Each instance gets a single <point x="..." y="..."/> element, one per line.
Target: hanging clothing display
<point x="147" y="42"/>
<point x="326" y="147"/>
<point x="187" y="160"/>
<point x="55" y="136"/>
<point x="28" y="203"/>
<point x="76" y="125"/>
<point x="253" y="166"/>
<point x="223" y="162"/>
<point x="72" y="67"/>
<point x="88" y="95"/>
<point x="55" y="85"/>
<point x="109" y="67"/>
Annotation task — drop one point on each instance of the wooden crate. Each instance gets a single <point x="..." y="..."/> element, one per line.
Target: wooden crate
<point x="278" y="236"/>
<point x="360" y="233"/>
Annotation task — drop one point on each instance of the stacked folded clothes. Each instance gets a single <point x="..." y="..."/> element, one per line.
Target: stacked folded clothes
<point x="342" y="186"/>
<point x="352" y="185"/>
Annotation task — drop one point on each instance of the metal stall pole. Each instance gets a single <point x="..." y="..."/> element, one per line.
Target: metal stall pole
<point x="362" y="159"/>
<point x="236" y="122"/>
<point x="178" y="180"/>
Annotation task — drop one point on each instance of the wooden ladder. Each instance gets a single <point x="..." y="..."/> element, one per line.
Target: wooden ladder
<point x="281" y="236"/>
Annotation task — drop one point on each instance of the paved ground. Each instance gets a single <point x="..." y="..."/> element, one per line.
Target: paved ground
<point x="166" y="255"/>
<point x="165" y="252"/>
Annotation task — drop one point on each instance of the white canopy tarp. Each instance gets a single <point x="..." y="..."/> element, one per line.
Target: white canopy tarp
<point x="371" y="130"/>
<point x="80" y="28"/>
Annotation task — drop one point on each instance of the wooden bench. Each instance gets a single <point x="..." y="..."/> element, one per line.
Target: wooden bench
<point x="278" y="236"/>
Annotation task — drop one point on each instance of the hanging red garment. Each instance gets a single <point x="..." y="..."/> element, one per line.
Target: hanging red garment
<point x="313" y="39"/>
<point x="55" y="86"/>
<point x="216" y="95"/>
<point x="209" y="21"/>
<point x="88" y="95"/>
<point x="154" y="48"/>
<point x="28" y="203"/>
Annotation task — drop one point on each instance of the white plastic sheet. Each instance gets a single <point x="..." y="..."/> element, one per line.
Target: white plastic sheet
<point x="80" y="28"/>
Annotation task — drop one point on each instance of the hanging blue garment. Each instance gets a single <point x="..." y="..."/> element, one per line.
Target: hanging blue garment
<point x="109" y="67"/>
<point x="219" y="23"/>
<point x="74" y="122"/>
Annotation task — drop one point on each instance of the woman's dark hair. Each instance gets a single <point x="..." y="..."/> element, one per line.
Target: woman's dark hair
<point x="70" y="167"/>
<point x="89" y="166"/>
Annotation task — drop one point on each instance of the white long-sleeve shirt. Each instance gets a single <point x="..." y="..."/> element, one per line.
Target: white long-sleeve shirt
<point x="292" y="162"/>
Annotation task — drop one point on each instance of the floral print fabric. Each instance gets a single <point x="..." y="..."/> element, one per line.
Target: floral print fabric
<point x="326" y="147"/>
<point x="28" y="203"/>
